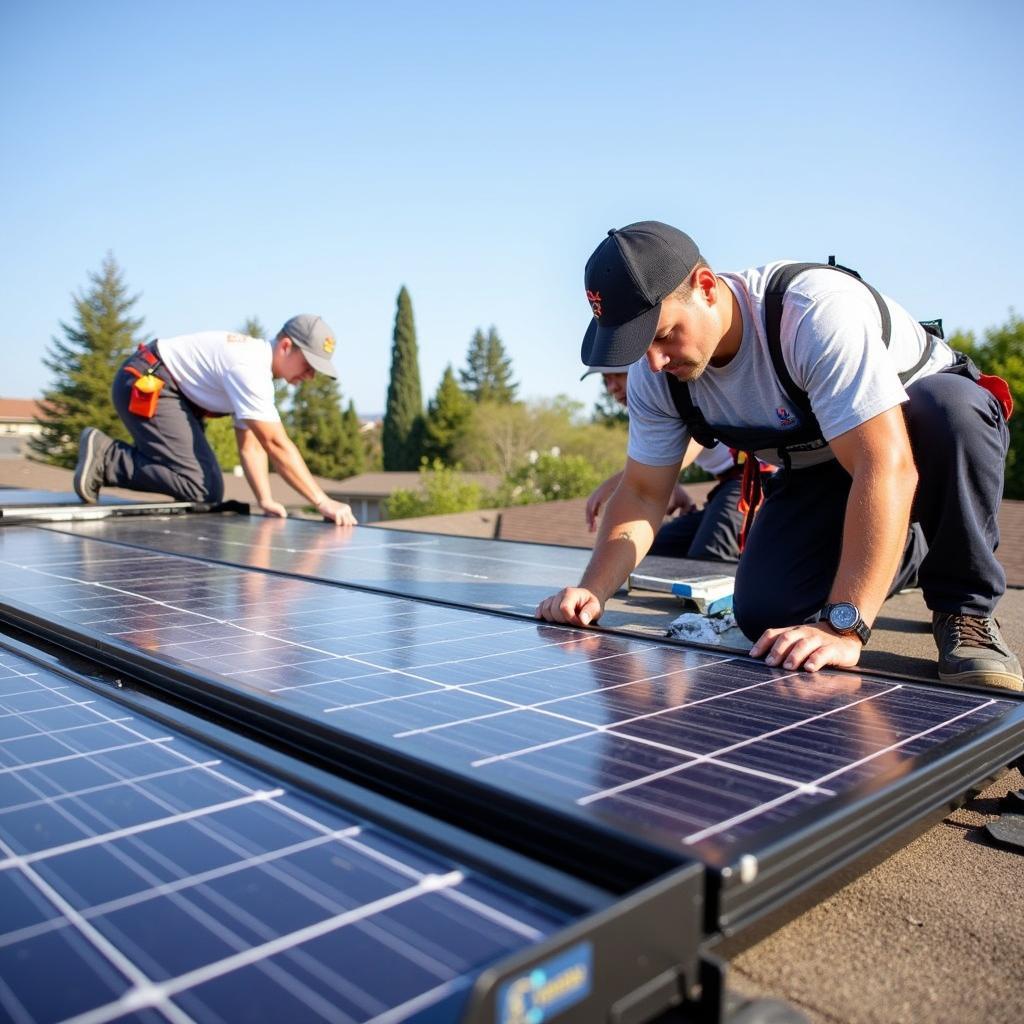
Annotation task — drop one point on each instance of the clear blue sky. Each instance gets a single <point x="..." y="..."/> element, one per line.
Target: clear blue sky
<point x="268" y="158"/>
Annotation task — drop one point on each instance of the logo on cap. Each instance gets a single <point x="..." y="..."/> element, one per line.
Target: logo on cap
<point x="594" y="298"/>
<point x="328" y="345"/>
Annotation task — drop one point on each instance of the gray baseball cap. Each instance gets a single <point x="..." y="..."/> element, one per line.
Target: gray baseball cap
<point x="316" y="339"/>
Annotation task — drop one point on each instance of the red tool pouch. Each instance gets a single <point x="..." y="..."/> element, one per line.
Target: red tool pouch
<point x="1001" y="390"/>
<point x="145" y="394"/>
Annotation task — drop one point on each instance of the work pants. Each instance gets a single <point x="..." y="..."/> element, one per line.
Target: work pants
<point x="712" y="532"/>
<point x="171" y="454"/>
<point x="959" y="439"/>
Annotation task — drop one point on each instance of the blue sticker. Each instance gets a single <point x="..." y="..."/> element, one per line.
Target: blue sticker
<point x="547" y="989"/>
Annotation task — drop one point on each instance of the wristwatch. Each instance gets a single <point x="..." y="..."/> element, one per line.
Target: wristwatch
<point x="845" y="618"/>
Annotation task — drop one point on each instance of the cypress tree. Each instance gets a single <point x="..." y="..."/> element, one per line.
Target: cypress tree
<point x="448" y="416"/>
<point x="84" y="362"/>
<point x="488" y="373"/>
<point x="403" y="417"/>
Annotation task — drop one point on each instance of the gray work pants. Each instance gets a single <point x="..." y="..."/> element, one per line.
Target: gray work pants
<point x="959" y="439"/>
<point x="171" y="454"/>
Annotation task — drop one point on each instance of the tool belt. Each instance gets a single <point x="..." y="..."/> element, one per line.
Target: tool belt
<point x="147" y="387"/>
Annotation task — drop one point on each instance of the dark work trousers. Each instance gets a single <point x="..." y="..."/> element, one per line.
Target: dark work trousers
<point x="171" y="454"/>
<point x="712" y="532"/>
<point x="959" y="439"/>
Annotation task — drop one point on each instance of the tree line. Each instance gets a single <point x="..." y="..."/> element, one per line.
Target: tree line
<point x="474" y="421"/>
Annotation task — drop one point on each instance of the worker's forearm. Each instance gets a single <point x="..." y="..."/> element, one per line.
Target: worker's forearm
<point x="254" y="466"/>
<point x="626" y="534"/>
<point x="289" y="463"/>
<point x="874" y="537"/>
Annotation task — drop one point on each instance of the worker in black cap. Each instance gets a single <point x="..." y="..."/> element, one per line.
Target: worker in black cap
<point x="892" y="449"/>
<point x="164" y="392"/>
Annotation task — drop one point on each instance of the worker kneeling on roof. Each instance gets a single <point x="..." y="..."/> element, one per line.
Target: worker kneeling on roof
<point x="166" y="389"/>
<point x="891" y="448"/>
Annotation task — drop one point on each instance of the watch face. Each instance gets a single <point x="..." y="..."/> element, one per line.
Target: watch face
<point x="843" y="616"/>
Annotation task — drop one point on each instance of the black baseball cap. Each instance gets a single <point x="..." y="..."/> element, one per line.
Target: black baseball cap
<point x="626" y="278"/>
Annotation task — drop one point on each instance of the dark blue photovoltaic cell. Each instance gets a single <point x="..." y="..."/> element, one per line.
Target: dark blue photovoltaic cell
<point x="686" y="748"/>
<point x="153" y="878"/>
<point x="462" y="570"/>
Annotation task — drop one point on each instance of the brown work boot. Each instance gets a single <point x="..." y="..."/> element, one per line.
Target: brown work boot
<point x="972" y="651"/>
<point x="93" y="446"/>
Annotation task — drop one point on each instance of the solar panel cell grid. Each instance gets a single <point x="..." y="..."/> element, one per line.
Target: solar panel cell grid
<point x="161" y="876"/>
<point x="688" y="748"/>
<point x="462" y="570"/>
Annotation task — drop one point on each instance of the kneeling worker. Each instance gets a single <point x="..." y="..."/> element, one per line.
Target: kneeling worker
<point x="164" y="391"/>
<point x="891" y="447"/>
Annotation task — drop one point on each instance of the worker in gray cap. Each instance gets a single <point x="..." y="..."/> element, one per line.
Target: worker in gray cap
<point x="891" y="450"/>
<point x="168" y="387"/>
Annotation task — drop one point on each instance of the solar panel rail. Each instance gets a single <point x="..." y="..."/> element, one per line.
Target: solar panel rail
<point x="624" y="960"/>
<point x="751" y="884"/>
<point x="19" y="506"/>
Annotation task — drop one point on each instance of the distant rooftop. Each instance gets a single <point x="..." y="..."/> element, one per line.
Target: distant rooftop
<point x="19" y="409"/>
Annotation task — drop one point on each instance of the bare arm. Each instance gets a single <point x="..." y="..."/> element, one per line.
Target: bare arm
<point x="627" y="530"/>
<point x="878" y="457"/>
<point x="256" y="469"/>
<point x="288" y="461"/>
<point x="598" y="497"/>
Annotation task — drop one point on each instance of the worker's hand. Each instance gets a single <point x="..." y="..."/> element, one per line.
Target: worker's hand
<point x="274" y="508"/>
<point x="597" y="499"/>
<point x="810" y="647"/>
<point x="680" y="501"/>
<point x="574" y="606"/>
<point x="336" y="512"/>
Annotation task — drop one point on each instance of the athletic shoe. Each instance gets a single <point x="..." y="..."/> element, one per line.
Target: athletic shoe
<point x="972" y="651"/>
<point x="93" y="446"/>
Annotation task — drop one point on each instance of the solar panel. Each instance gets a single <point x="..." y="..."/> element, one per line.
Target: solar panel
<point x="689" y="753"/>
<point x="458" y="570"/>
<point x="156" y="874"/>
<point x="14" y="498"/>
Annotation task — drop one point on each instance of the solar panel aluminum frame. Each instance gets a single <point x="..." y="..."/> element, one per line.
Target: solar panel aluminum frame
<point x="14" y="515"/>
<point x="644" y="950"/>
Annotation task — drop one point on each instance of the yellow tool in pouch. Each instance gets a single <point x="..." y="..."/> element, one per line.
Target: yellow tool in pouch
<point x="145" y="393"/>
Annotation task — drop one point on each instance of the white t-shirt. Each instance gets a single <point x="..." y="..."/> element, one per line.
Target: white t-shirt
<point x="831" y="336"/>
<point x="223" y="372"/>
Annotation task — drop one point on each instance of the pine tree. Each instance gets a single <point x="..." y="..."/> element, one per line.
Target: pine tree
<point x="319" y="429"/>
<point x="488" y="373"/>
<point x="403" y="417"/>
<point x="84" y="363"/>
<point x="448" y="416"/>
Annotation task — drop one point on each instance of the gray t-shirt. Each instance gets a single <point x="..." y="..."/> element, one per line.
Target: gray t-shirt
<point x="832" y="345"/>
